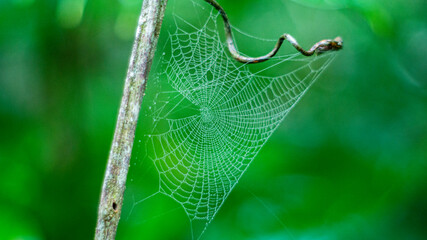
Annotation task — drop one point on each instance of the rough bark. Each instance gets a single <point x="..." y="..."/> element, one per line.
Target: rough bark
<point x="113" y="187"/>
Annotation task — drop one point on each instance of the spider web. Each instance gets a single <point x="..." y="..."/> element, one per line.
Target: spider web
<point x="216" y="115"/>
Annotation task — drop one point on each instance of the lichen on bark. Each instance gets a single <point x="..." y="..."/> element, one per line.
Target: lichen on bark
<point x="113" y="187"/>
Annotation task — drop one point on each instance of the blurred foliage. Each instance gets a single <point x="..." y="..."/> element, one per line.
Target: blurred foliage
<point x="349" y="162"/>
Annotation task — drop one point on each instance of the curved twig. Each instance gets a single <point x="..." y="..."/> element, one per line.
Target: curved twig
<point x="320" y="47"/>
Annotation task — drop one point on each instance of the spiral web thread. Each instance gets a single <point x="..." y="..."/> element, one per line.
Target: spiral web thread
<point x="217" y="116"/>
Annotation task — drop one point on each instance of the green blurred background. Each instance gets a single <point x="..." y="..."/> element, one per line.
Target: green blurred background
<point x="349" y="162"/>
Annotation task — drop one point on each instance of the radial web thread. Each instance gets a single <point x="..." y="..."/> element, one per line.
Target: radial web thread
<point x="217" y="116"/>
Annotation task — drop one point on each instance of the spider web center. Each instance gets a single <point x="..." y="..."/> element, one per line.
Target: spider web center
<point x="207" y="115"/>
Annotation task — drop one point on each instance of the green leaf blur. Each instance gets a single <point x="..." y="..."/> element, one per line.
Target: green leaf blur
<point x="349" y="162"/>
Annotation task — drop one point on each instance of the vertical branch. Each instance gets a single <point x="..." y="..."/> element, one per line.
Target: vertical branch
<point x="113" y="187"/>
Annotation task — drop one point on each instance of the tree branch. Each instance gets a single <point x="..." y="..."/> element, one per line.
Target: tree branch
<point x="113" y="187"/>
<point x="320" y="47"/>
